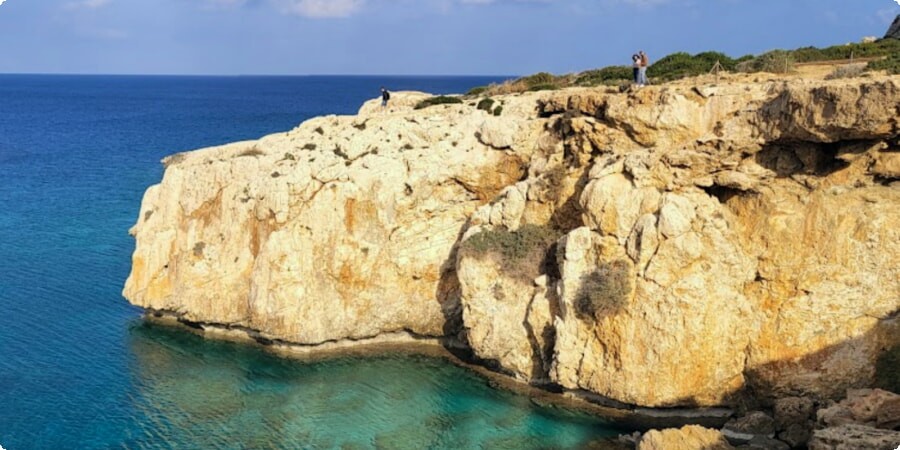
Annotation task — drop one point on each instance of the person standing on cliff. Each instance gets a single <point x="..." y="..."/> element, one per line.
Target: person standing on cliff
<point x="636" y="65"/>
<point x="642" y="72"/>
<point x="385" y="96"/>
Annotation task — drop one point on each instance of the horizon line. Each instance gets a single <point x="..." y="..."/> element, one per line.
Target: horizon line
<point x="255" y="75"/>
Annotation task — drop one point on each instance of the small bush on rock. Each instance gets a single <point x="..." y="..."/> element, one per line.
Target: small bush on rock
<point x="252" y="151"/>
<point x="604" y="291"/>
<point x="439" y="100"/>
<point x="486" y="104"/>
<point x="891" y="64"/>
<point x="525" y="253"/>
<point x="604" y="76"/>
<point x="850" y="71"/>
<point x="543" y="87"/>
<point x="538" y="79"/>
<point x="775" y="61"/>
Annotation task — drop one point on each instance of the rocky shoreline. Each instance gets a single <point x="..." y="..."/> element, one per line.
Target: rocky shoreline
<point x="698" y="245"/>
<point x="618" y="415"/>
<point x="867" y="419"/>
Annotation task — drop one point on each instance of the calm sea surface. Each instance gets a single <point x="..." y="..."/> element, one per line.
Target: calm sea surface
<point x="79" y="369"/>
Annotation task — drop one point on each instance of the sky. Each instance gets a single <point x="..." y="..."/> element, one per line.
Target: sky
<point x="407" y="37"/>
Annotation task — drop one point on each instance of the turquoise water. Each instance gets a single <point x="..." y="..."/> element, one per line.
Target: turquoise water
<point x="80" y="369"/>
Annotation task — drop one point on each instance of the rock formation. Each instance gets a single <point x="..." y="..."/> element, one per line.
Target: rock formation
<point x="894" y="31"/>
<point x="691" y="437"/>
<point x="680" y="245"/>
<point x="866" y="420"/>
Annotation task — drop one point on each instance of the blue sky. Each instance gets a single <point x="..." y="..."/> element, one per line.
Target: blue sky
<point x="427" y="37"/>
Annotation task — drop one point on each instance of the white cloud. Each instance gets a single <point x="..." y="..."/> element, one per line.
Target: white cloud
<point x="644" y="3"/>
<point x="87" y="4"/>
<point x="1" y="1"/>
<point x="484" y="2"/>
<point x="93" y="4"/>
<point x="323" y="8"/>
<point x="104" y="33"/>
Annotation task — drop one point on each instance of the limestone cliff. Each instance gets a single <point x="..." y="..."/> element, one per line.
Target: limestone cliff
<point x="678" y="245"/>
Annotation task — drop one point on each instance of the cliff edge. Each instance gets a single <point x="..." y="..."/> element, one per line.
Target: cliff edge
<point x="678" y="245"/>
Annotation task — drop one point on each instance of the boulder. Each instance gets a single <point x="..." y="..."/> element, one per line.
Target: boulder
<point x="872" y="407"/>
<point x="744" y="429"/>
<point x="793" y="420"/>
<point x="691" y="437"/>
<point x="854" y="437"/>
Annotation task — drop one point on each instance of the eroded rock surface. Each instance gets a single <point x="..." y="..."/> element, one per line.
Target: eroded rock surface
<point x="691" y="437"/>
<point x="673" y="246"/>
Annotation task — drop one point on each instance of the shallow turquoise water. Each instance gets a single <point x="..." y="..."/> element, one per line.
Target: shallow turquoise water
<point x="78" y="367"/>
<point x="220" y="394"/>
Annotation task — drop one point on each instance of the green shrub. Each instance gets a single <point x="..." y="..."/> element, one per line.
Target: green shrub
<point x="891" y="64"/>
<point x="538" y="79"/>
<point x="477" y="90"/>
<point x="604" y="291"/>
<point x="498" y="110"/>
<point x="681" y="65"/>
<point x="604" y="76"/>
<point x="775" y="61"/>
<point x="486" y="104"/>
<point x="543" y="87"/>
<point x="884" y="47"/>
<point x="439" y="100"/>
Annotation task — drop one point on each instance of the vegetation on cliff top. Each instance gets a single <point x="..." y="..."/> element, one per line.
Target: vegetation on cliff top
<point x="439" y="100"/>
<point x="681" y="65"/>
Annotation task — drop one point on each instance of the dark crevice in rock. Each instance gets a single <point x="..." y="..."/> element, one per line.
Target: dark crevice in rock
<point x="266" y="341"/>
<point x="723" y="193"/>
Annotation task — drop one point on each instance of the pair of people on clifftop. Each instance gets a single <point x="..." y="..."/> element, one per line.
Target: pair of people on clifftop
<point x="640" y="61"/>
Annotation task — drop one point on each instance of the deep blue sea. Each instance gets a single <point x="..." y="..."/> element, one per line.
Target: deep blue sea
<point x="79" y="368"/>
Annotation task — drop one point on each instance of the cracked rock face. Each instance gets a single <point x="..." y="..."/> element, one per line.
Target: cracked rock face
<point x="673" y="246"/>
<point x="340" y="228"/>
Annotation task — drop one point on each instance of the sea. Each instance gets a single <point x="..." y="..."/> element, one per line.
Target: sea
<point x="80" y="369"/>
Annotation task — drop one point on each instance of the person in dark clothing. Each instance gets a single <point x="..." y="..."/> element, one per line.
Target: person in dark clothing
<point x="636" y="64"/>
<point x="385" y="96"/>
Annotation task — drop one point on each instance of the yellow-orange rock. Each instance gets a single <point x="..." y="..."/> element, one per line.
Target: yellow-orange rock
<point x="712" y="238"/>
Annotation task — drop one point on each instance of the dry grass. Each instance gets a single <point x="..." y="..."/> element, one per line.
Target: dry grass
<point x="847" y="71"/>
<point x="524" y="253"/>
<point x="604" y="291"/>
<point x="252" y="151"/>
